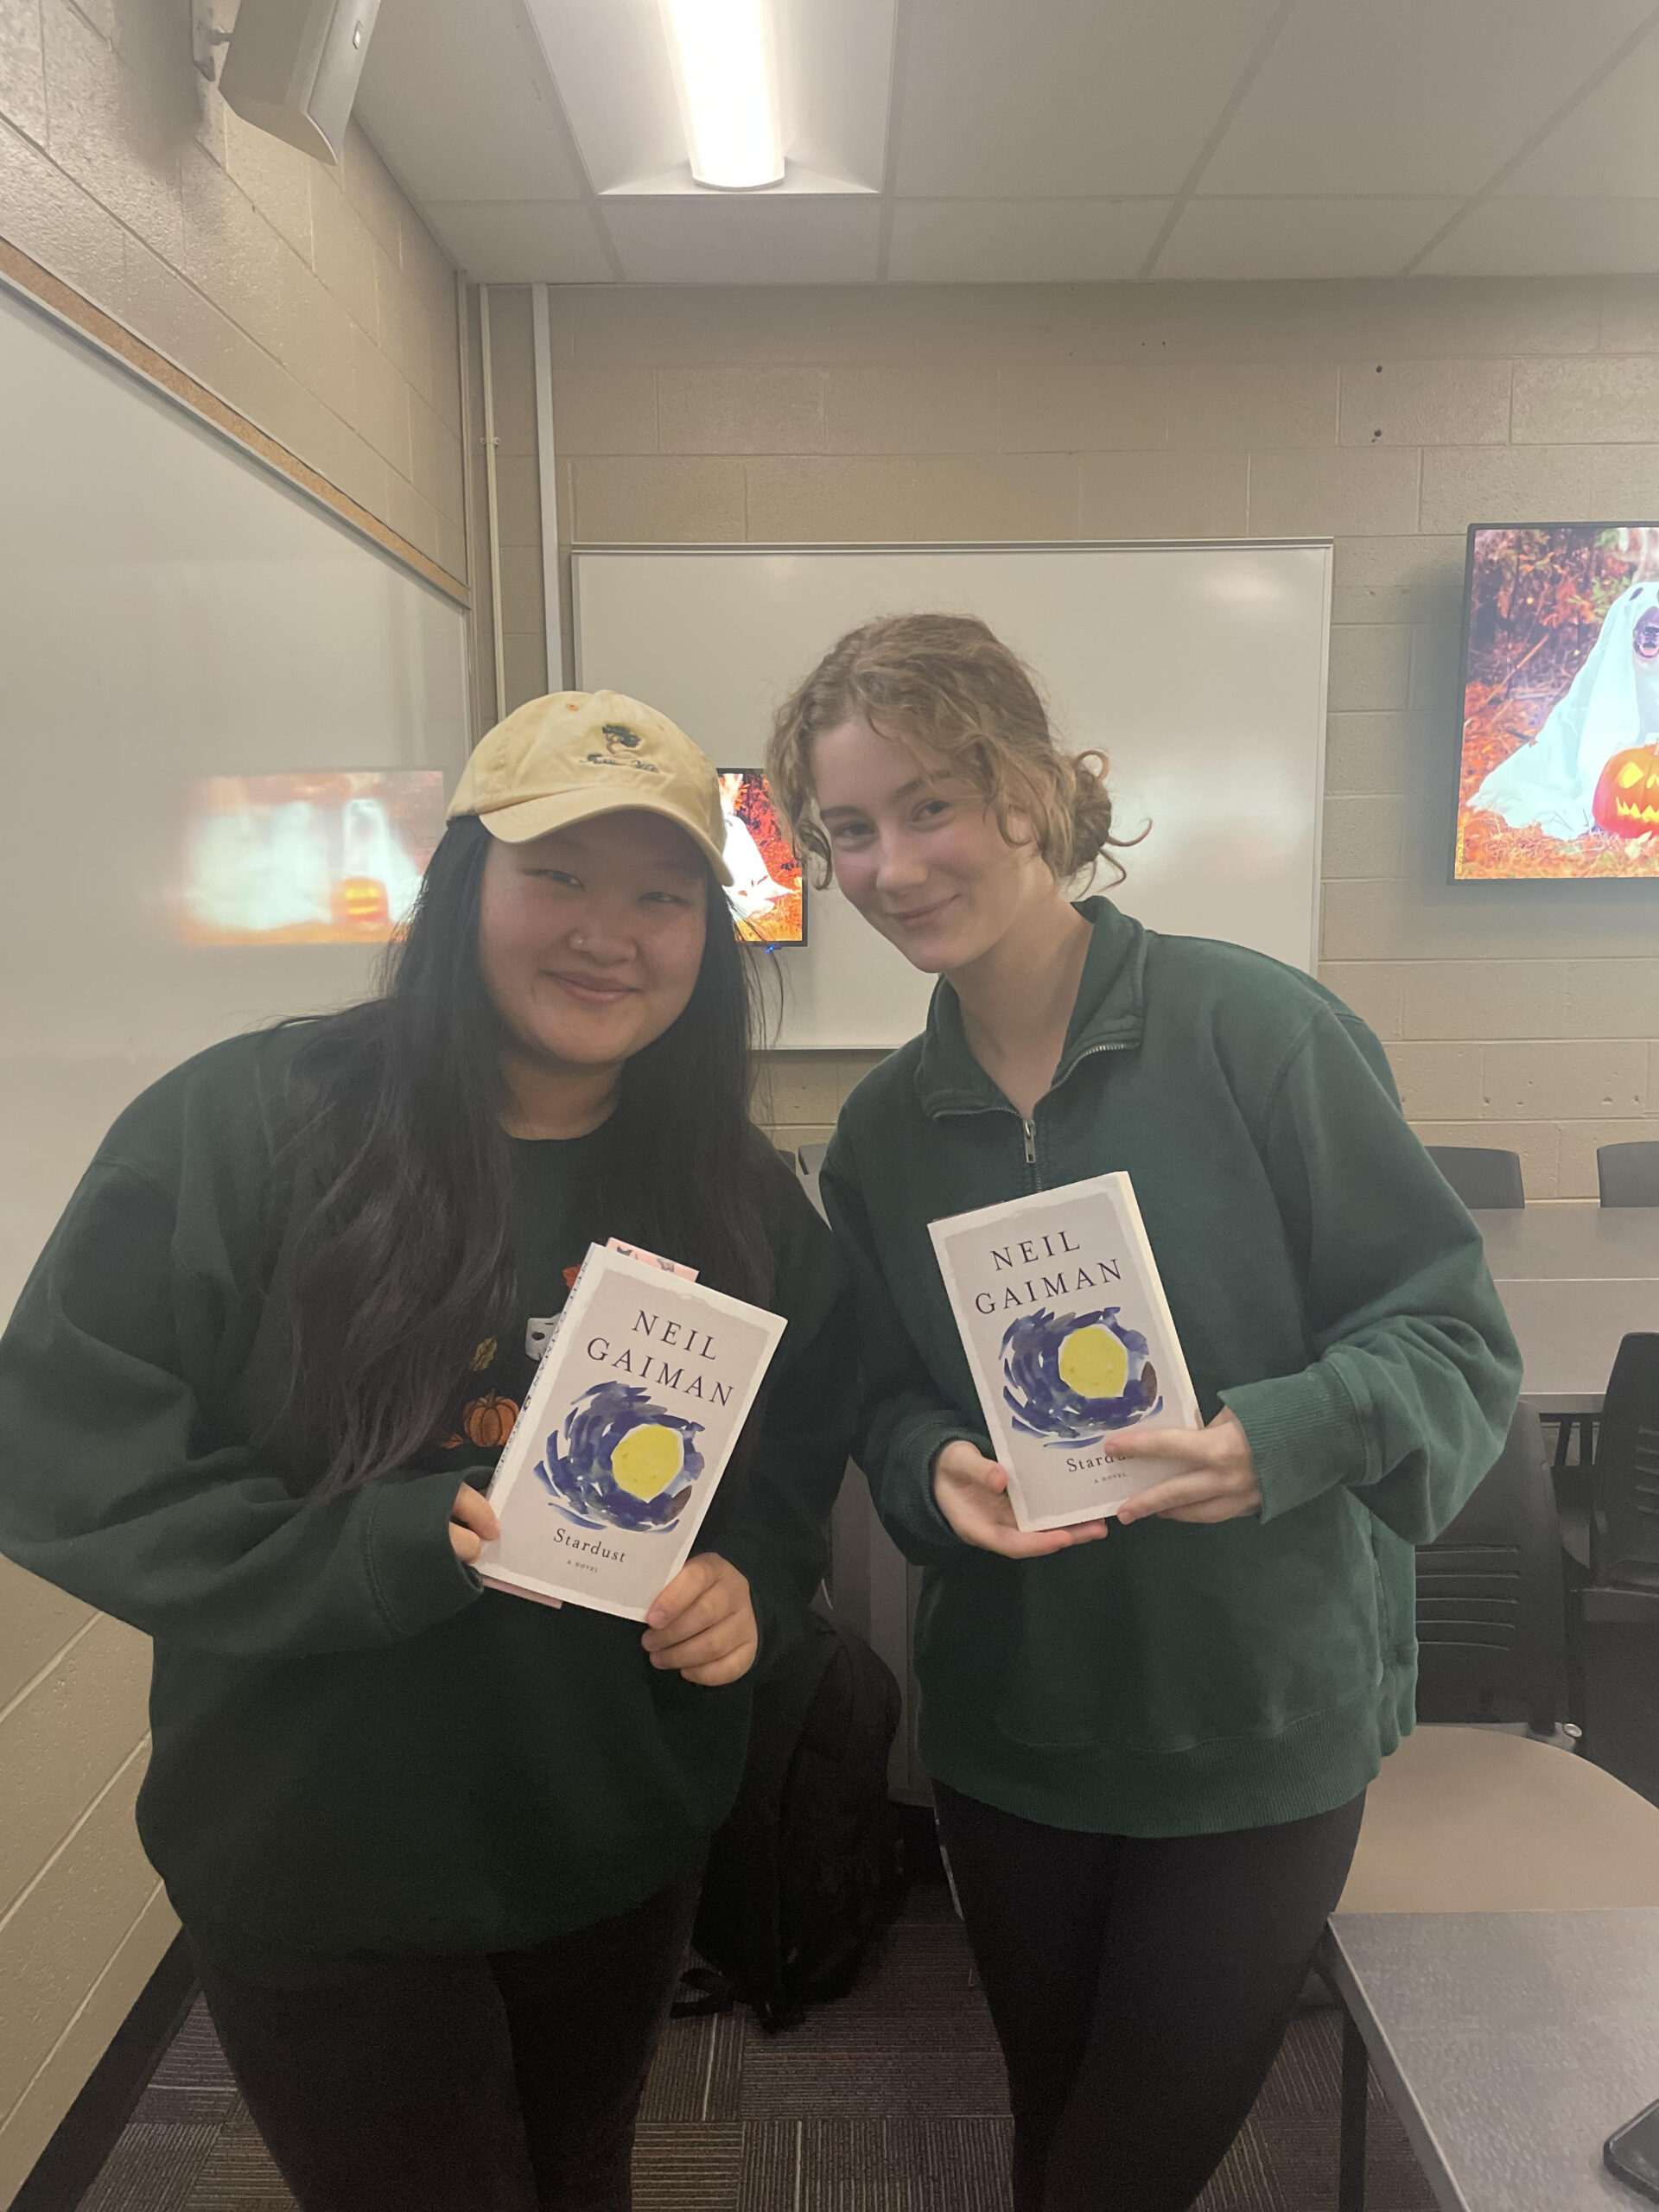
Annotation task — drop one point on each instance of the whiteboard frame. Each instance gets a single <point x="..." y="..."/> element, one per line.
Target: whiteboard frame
<point x="750" y="548"/>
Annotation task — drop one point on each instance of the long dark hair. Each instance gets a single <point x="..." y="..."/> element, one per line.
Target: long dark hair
<point x="393" y="1134"/>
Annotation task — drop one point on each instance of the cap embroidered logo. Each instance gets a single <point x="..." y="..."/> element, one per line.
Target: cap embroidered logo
<point x="621" y="750"/>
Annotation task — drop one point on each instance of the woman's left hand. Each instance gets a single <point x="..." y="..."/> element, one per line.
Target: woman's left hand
<point x="1218" y="1480"/>
<point x="702" y="1624"/>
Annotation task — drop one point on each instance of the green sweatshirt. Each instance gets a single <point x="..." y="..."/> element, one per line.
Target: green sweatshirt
<point x="358" y="1749"/>
<point x="1177" y="1678"/>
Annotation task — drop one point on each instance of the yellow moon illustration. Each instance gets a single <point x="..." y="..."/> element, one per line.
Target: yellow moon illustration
<point x="1094" y="1364"/>
<point x="648" y="1460"/>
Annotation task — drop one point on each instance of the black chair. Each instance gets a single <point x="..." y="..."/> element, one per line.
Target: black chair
<point x="1618" y="1604"/>
<point x="1481" y="1175"/>
<point x="1490" y="1618"/>
<point x="1625" y="1517"/>
<point x="1628" y="1174"/>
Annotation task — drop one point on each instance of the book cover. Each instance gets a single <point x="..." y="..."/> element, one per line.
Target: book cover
<point x="1067" y="1331"/>
<point x="624" y="1435"/>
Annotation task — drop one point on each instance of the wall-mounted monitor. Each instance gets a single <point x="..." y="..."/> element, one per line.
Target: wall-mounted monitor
<point x="325" y="856"/>
<point x="768" y="892"/>
<point x="1560" y="766"/>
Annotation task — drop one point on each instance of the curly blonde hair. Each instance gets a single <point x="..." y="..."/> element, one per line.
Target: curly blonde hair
<point x="946" y="688"/>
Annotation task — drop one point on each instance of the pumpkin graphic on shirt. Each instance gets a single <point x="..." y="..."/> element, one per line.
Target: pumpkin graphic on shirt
<point x="618" y="1460"/>
<point x="487" y="1421"/>
<point x="1068" y="1376"/>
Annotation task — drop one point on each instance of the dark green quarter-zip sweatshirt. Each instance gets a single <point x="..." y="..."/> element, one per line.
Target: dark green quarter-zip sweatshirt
<point x="1326" y="1284"/>
<point x="359" y="1750"/>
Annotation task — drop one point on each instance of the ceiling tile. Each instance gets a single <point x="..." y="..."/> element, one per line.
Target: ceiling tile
<point x="1065" y="98"/>
<point x="458" y="102"/>
<point x="610" y="61"/>
<point x="1604" y="150"/>
<point x="1021" y="241"/>
<point x="520" y="241"/>
<point x="1300" y="238"/>
<point x="730" y="241"/>
<point x="1412" y="96"/>
<point x="1550" y="238"/>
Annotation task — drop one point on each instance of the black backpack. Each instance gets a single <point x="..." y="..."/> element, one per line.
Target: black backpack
<point x="809" y="1866"/>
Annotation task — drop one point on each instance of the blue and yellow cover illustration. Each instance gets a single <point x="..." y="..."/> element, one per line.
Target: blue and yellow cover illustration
<point x="625" y="1433"/>
<point x="1069" y="1335"/>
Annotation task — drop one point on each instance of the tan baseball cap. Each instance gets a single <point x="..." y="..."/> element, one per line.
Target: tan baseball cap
<point x="574" y="754"/>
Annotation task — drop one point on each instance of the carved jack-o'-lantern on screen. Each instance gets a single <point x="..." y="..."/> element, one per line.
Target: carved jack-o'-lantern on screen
<point x="1627" y="797"/>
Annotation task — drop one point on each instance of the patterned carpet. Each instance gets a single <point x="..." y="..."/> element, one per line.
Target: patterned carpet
<point x="890" y="2101"/>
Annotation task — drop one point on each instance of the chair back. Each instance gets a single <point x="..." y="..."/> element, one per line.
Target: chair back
<point x="1624" y="1522"/>
<point x="1492" y="1630"/>
<point x="1628" y="1173"/>
<point x="1482" y="1175"/>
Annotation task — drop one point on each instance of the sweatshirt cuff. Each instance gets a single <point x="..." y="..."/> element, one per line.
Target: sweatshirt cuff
<point x="776" y="1606"/>
<point x="911" y="1456"/>
<point x="1305" y="1434"/>
<point x="413" y="1569"/>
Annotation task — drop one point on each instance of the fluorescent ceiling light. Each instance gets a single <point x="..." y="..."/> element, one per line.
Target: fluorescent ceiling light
<point x="726" y="78"/>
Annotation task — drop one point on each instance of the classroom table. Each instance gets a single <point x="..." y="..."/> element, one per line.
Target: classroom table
<point x="1510" y="2043"/>
<point x="1573" y="1277"/>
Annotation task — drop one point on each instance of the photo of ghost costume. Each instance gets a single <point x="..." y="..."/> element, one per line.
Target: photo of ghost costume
<point x="1611" y="705"/>
<point x="753" y="888"/>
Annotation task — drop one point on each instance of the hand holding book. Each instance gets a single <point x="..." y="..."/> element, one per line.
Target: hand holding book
<point x="1073" y="1351"/>
<point x="639" y="1399"/>
<point x="472" y="1524"/>
<point x="1217" y="1478"/>
<point x="703" y="1625"/>
<point x="972" y="1493"/>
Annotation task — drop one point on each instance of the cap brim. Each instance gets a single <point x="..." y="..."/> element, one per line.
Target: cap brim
<point x="534" y="817"/>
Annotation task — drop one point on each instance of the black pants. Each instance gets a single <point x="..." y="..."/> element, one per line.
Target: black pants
<point x="1139" y="1989"/>
<point x="500" y="2084"/>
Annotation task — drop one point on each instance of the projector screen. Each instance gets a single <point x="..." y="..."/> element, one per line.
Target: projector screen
<point x="314" y="857"/>
<point x="1560" y="772"/>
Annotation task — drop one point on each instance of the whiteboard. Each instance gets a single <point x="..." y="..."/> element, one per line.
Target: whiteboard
<point x="169" y="609"/>
<point x="1199" y="669"/>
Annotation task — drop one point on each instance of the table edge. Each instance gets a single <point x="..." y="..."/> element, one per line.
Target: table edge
<point x="1430" y="2157"/>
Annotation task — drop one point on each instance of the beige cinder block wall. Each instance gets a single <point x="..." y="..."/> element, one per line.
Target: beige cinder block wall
<point x="313" y="302"/>
<point x="1388" y="416"/>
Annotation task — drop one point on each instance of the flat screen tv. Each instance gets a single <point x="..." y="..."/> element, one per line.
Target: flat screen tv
<point x="1560" y="767"/>
<point x="768" y="892"/>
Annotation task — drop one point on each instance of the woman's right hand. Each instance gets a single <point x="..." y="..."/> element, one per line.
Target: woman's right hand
<point x="971" y="1491"/>
<point x="472" y="1524"/>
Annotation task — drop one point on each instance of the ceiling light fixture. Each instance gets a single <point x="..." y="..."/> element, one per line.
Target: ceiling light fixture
<point x="725" y="75"/>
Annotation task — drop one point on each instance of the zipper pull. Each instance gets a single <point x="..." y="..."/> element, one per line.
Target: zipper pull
<point x="1030" y="1129"/>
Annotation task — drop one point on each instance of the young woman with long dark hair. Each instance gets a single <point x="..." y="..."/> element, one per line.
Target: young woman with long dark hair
<point x="1151" y="1752"/>
<point x="436" y="1847"/>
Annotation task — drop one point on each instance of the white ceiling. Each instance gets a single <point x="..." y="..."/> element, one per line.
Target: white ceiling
<point x="1061" y="139"/>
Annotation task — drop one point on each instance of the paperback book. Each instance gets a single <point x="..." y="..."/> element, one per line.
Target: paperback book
<point x="1068" y="1333"/>
<point x="624" y="1435"/>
